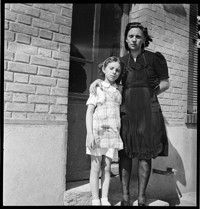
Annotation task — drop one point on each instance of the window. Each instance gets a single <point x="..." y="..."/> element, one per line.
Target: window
<point x="94" y="37"/>
<point x="193" y="66"/>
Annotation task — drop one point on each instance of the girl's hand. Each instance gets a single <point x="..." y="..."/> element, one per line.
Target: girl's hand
<point x="93" y="86"/>
<point x="90" y="141"/>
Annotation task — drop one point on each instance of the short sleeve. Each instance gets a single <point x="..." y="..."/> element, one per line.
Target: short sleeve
<point x="160" y="66"/>
<point x="92" y="100"/>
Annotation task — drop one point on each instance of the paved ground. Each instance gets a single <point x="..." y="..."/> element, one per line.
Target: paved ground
<point x="78" y="193"/>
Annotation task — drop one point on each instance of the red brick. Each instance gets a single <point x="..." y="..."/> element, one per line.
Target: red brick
<point x="21" y="107"/>
<point x="63" y="20"/>
<point x="44" y="71"/>
<point x="21" y="38"/>
<point x="41" y="108"/>
<point x="49" y="7"/>
<point x="62" y="100"/>
<point x="59" y="91"/>
<point x="45" y="25"/>
<point x="44" y="52"/>
<point x="24" y="19"/>
<point x="58" y="109"/>
<point x="8" y="76"/>
<point x="18" y="47"/>
<point x="43" y="90"/>
<point x="9" y="36"/>
<point x="60" y="56"/>
<point x="17" y="87"/>
<point x="64" y="48"/>
<point x="47" y="16"/>
<point x="25" y="29"/>
<point x="21" y="57"/>
<point x="18" y="97"/>
<point x="24" y="9"/>
<point x="60" y="73"/>
<point x="66" y="12"/>
<point x="44" y="43"/>
<point x="63" y="83"/>
<point x="8" y="96"/>
<point x="61" y="38"/>
<point x="45" y="34"/>
<point x="22" y="68"/>
<point x="8" y="55"/>
<point x="20" y="78"/>
<point x="41" y="99"/>
<point x="43" y="61"/>
<point x="41" y="80"/>
<point x="65" y="30"/>
<point x="63" y="65"/>
<point x="10" y="15"/>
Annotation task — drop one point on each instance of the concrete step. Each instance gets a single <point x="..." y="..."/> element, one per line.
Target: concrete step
<point x="79" y="193"/>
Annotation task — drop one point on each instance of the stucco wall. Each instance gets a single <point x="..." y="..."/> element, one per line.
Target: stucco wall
<point x="34" y="164"/>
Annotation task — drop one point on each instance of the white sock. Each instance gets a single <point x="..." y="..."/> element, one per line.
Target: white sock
<point x="104" y="201"/>
<point x="96" y="202"/>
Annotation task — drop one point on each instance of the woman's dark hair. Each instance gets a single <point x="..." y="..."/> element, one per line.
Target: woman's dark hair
<point x="143" y="29"/>
<point x="103" y="65"/>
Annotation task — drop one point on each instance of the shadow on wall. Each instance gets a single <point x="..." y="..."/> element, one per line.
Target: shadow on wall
<point x="164" y="186"/>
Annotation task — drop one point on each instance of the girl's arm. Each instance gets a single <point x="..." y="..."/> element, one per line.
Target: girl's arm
<point x="89" y="126"/>
<point x="93" y="86"/>
<point x="163" y="86"/>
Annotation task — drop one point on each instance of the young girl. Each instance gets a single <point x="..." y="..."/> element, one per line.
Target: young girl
<point x="103" y="129"/>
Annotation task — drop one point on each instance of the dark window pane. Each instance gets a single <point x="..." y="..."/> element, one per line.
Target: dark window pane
<point x="82" y="31"/>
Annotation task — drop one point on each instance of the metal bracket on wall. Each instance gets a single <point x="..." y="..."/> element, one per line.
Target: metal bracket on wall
<point x="169" y="171"/>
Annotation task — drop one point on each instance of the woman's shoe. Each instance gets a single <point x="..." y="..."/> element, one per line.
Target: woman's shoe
<point x="125" y="203"/>
<point x="142" y="201"/>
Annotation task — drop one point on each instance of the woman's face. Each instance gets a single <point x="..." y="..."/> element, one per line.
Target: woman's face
<point x="135" y="39"/>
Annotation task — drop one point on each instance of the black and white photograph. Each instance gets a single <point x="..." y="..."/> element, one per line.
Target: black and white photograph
<point x="100" y="104"/>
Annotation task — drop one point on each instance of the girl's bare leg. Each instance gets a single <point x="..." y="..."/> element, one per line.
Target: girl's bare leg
<point x="105" y="179"/>
<point x="94" y="176"/>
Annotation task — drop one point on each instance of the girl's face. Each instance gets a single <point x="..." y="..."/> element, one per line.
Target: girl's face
<point x="135" y="39"/>
<point x="112" y="72"/>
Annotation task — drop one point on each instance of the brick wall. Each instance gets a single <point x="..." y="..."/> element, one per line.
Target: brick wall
<point x="170" y="34"/>
<point x="36" y="61"/>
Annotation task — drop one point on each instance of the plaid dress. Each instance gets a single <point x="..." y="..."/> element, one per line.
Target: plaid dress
<point x="106" y="118"/>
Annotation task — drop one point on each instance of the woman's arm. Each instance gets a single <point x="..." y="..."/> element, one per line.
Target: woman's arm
<point x="163" y="86"/>
<point x="93" y="86"/>
<point x="89" y="126"/>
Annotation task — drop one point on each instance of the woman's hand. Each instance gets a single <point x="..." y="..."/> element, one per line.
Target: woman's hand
<point x="163" y="86"/>
<point x="94" y="85"/>
<point x="90" y="141"/>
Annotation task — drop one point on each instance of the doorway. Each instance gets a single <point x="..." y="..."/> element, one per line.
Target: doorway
<point x="96" y="35"/>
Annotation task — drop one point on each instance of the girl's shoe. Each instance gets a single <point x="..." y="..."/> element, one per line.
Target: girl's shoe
<point x="96" y="202"/>
<point x="104" y="201"/>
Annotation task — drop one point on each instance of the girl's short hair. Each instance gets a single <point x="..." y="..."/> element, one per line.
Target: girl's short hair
<point x="143" y="29"/>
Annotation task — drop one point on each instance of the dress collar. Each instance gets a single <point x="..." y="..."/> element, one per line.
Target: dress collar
<point x="107" y="85"/>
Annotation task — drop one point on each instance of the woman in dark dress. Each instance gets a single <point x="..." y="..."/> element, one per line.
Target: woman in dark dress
<point x="144" y="76"/>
